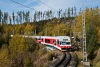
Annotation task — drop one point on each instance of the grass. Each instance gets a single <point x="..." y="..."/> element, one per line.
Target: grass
<point x="80" y="57"/>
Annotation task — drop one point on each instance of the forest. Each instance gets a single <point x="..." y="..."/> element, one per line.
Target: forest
<point x="19" y="51"/>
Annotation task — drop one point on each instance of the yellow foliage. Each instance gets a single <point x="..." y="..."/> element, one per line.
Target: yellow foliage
<point x="91" y="16"/>
<point x="96" y="61"/>
<point x="28" y="29"/>
<point x="17" y="45"/>
<point x="4" y="57"/>
<point x="99" y="35"/>
<point x="97" y="64"/>
<point x="79" y="23"/>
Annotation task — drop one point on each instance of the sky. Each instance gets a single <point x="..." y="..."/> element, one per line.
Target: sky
<point x="9" y="6"/>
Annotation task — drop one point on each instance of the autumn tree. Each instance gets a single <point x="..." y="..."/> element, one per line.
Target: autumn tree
<point x="35" y="17"/>
<point x="92" y="40"/>
<point x="17" y="45"/>
<point x="68" y="12"/>
<point x="5" y="18"/>
<point x="74" y="11"/>
<point x="28" y="29"/>
<point x="10" y="20"/>
<point x="27" y="16"/>
<point x="38" y="15"/>
<point x="13" y="17"/>
<point x="4" y="56"/>
<point x="92" y="29"/>
<point x="23" y="13"/>
<point x="20" y="16"/>
<point x="59" y="13"/>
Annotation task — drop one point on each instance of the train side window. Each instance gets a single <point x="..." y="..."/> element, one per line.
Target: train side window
<point x="60" y="42"/>
<point x="42" y="39"/>
<point x="47" y="40"/>
<point x="57" y="42"/>
<point x="54" y="41"/>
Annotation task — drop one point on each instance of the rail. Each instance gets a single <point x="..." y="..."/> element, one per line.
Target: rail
<point x="74" y="60"/>
<point x="69" y="59"/>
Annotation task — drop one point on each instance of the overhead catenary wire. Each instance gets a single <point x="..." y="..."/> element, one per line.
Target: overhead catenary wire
<point x="23" y="5"/>
<point x="46" y="5"/>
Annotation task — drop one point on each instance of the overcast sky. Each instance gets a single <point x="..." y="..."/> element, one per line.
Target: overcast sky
<point x="9" y="6"/>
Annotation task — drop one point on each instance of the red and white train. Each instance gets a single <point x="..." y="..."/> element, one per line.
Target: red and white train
<point x="59" y="42"/>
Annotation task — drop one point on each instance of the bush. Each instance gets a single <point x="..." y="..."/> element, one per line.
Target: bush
<point x="32" y="45"/>
<point x="50" y="56"/>
<point x="91" y="55"/>
<point x="29" y="62"/>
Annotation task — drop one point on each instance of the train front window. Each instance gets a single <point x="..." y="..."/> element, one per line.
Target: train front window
<point x="68" y="42"/>
<point x="39" y="38"/>
<point x="65" y="43"/>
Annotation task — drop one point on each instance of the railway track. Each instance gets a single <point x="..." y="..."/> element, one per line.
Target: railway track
<point x="74" y="60"/>
<point x="69" y="59"/>
<point x="66" y="60"/>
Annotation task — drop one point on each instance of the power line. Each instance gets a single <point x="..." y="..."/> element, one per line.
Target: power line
<point x="23" y="5"/>
<point x="46" y="4"/>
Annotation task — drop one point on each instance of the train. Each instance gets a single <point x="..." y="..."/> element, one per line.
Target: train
<point x="62" y="43"/>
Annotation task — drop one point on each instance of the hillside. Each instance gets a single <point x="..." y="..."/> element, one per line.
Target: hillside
<point x="18" y="51"/>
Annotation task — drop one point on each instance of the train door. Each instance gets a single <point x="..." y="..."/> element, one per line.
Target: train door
<point x="56" y="42"/>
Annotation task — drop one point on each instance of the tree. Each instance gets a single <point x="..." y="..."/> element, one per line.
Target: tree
<point x="68" y="12"/>
<point x="17" y="20"/>
<point x="10" y="20"/>
<point x="51" y="16"/>
<point x="92" y="40"/>
<point x="28" y="29"/>
<point x="41" y="15"/>
<point x="17" y="45"/>
<point x="47" y="14"/>
<point x="91" y="36"/>
<point x="1" y="15"/>
<point x="32" y="45"/>
<point x="23" y="16"/>
<point x="74" y="11"/>
<point x="35" y="17"/>
<point x="20" y="16"/>
<point x="27" y="16"/>
<point x="59" y="13"/>
<point x="29" y="62"/>
<point x="13" y="17"/>
<point x="4" y="57"/>
<point x="38" y="15"/>
<point x="5" y="17"/>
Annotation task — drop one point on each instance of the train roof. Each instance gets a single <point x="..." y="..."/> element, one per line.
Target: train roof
<point x="61" y="38"/>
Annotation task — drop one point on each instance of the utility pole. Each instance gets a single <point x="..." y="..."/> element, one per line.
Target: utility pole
<point x="35" y="32"/>
<point x="84" y="41"/>
<point x="84" y="37"/>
